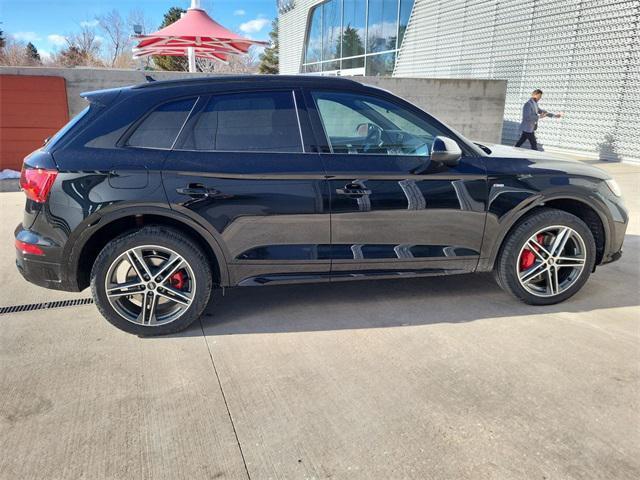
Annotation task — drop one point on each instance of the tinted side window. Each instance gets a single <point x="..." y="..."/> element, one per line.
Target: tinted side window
<point x="259" y="122"/>
<point x="161" y="127"/>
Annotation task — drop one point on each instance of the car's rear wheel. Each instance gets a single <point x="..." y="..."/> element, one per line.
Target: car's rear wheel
<point x="152" y="281"/>
<point x="547" y="257"/>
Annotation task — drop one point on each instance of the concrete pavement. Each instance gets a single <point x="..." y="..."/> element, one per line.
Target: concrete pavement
<point x="429" y="379"/>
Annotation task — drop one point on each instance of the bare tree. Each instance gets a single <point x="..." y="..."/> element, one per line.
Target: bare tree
<point x="86" y="42"/>
<point x="117" y="34"/>
<point x="17" y="53"/>
<point x="247" y="63"/>
<point x="14" y="52"/>
<point x="83" y="49"/>
<point x="137" y="17"/>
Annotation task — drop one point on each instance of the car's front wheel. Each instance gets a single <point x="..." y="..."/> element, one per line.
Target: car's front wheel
<point x="547" y="258"/>
<point x="152" y="281"/>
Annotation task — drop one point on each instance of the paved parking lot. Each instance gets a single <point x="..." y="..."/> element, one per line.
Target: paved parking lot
<point x="432" y="378"/>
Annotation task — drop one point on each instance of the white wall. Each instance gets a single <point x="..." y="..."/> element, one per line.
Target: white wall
<point x="292" y="30"/>
<point x="585" y="56"/>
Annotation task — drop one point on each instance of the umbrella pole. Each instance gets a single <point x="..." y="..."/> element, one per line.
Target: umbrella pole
<point x="191" y="54"/>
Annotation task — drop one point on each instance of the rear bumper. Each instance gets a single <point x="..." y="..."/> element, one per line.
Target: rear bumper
<point x="43" y="270"/>
<point x="40" y="273"/>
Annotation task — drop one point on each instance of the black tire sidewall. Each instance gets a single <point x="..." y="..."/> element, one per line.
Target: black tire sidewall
<point x="506" y="266"/>
<point x="161" y="237"/>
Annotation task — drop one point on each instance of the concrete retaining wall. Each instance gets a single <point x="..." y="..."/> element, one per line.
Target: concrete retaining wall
<point x="473" y="107"/>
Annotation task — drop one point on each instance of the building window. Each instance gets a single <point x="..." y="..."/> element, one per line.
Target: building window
<point x="362" y="36"/>
<point x="405" y="12"/>
<point x="331" y="26"/>
<point x="314" y="37"/>
<point x="381" y="65"/>
<point x="354" y="26"/>
<point x="382" y="26"/>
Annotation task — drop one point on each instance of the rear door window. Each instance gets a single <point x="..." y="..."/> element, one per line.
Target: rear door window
<point x="247" y="122"/>
<point x="161" y="127"/>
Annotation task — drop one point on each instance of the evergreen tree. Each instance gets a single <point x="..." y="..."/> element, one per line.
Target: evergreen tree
<point x="2" y="41"/>
<point x="351" y="42"/>
<point x="72" y="56"/>
<point x="269" y="61"/>
<point x="32" y="54"/>
<point x="166" y="62"/>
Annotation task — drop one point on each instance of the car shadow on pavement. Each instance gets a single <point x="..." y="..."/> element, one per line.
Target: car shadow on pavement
<point x="404" y="302"/>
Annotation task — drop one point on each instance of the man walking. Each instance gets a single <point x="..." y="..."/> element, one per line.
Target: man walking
<point x="530" y="115"/>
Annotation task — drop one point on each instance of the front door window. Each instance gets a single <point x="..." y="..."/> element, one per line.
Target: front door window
<point x="357" y="124"/>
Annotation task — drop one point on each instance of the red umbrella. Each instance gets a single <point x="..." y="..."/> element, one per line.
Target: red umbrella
<point x="198" y="31"/>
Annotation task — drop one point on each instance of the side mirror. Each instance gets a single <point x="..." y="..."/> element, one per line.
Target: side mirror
<point x="446" y="150"/>
<point x="363" y="129"/>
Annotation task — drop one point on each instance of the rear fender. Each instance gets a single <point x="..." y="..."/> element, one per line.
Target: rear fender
<point x="91" y="225"/>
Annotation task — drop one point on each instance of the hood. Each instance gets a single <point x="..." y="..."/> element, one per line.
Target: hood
<point x="498" y="150"/>
<point x="543" y="161"/>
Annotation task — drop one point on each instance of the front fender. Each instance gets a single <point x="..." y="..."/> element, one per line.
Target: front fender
<point x="507" y="205"/>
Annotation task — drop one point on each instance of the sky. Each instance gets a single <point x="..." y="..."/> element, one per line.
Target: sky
<point x="45" y="23"/>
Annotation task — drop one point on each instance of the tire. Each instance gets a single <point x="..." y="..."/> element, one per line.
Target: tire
<point x="545" y="280"/>
<point x="153" y="305"/>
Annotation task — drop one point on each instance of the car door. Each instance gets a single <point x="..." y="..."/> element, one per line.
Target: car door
<point x="393" y="210"/>
<point x="241" y="168"/>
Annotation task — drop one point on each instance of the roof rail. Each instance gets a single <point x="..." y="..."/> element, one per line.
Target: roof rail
<point x="239" y="78"/>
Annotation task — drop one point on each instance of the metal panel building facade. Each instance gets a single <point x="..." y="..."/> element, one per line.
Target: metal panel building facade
<point x="584" y="54"/>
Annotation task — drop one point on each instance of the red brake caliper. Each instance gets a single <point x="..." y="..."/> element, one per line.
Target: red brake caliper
<point x="177" y="280"/>
<point x="528" y="258"/>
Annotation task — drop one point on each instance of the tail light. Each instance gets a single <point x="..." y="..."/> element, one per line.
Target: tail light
<point x="37" y="182"/>
<point x="30" y="248"/>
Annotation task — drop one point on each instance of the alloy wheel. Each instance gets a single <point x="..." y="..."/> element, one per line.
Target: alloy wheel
<point x="551" y="261"/>
<point x="150" y="285"/>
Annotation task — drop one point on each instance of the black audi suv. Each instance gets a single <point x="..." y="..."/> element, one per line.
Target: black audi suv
<point x="157" y="193"/>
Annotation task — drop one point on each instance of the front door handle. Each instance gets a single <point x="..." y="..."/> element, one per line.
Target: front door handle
<point x="353" y="190"/>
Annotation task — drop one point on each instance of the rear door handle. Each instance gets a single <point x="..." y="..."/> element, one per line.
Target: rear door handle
<point x="197" y="190"/>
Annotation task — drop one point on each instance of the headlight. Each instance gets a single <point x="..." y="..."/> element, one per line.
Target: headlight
<point x="614" y="187"/>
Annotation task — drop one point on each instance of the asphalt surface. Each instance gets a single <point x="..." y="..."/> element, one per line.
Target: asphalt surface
<point x="433" y="378"/>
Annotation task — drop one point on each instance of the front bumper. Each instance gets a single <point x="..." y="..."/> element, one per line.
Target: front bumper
<point x="618" y="221"/>
<point x="612" y="257"/>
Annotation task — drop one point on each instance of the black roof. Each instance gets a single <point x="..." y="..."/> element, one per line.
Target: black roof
<point x="253" y="79"/>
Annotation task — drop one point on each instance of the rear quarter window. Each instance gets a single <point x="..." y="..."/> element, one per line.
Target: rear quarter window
<point x="160" y="128"/>
<point x="66" y="129"/>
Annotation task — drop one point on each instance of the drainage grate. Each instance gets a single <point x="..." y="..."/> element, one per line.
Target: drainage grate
<point x="45" y="306"/>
